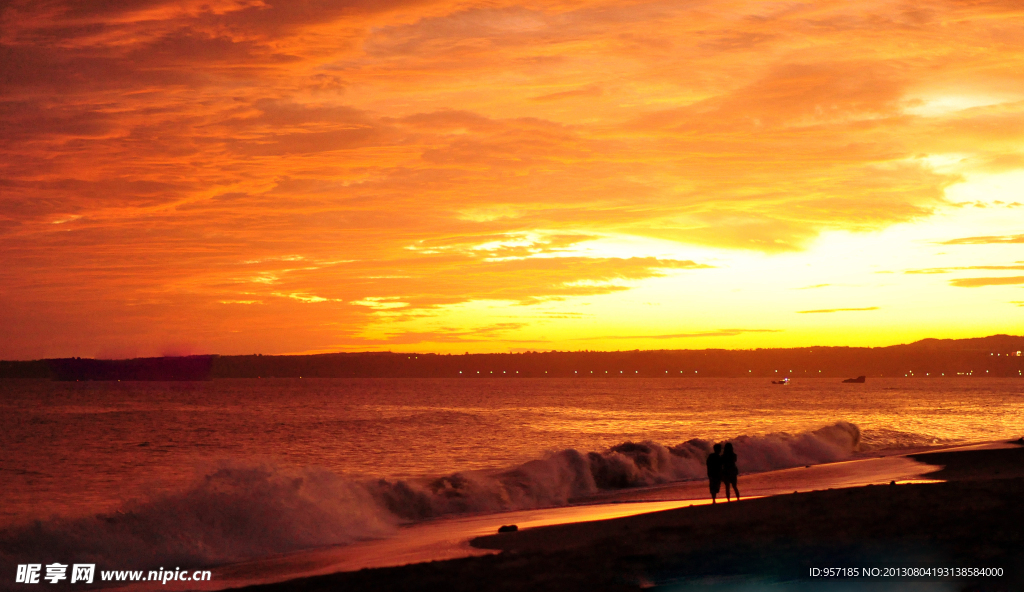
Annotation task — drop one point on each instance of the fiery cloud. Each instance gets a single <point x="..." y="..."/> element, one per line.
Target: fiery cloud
<point x="310" y="174"/>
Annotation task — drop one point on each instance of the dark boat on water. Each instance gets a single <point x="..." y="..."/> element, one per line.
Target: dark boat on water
<point x="783" y="381"/>
<point x="859" y="379"/>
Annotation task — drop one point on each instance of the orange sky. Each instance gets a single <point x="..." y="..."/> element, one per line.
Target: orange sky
<point x="240" y="176"/>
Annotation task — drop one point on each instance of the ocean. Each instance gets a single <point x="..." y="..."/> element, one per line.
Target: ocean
<point x="196" y="473"/>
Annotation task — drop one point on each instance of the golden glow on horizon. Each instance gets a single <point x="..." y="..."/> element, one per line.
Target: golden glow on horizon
<point x="288" y="177"/>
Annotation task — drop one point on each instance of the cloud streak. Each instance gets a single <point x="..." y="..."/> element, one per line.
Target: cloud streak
<point x="828" y="310"/>
<point x="718" y="333"/>
<point x="979" y="282"/>
<point x="986" y="240"/>
<point x="935" y="270"/>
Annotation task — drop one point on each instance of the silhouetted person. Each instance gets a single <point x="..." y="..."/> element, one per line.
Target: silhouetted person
<point x="729" y="471"/>
<point x="715" y="471"/>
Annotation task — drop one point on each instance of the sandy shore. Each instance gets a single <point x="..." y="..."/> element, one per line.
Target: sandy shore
<point x="974" y="519"/>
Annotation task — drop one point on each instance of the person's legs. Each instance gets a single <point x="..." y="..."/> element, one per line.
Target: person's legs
<point x="715" y="486"/>
<point x="727" y="498"/>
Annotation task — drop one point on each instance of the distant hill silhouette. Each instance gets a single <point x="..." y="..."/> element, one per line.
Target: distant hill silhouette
<point x="996" y="355"/>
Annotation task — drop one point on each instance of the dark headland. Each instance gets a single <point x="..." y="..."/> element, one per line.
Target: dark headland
<point x="997" y="355"/>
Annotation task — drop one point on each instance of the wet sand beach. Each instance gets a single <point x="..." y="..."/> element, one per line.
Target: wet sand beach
<point x="971" y="519"/>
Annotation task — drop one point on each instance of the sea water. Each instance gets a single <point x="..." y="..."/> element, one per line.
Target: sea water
<point x="138" y="473"/>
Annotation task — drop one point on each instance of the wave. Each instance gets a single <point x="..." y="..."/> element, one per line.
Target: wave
<point x="232" y="513"/>
<point x="237" y="512"/>
<point x="568" y="474"/>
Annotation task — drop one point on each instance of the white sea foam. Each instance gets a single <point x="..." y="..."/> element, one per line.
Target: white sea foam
<point x="238" y="512"/>
<point x="567" y="474"/>
<point x="232" y="513"/>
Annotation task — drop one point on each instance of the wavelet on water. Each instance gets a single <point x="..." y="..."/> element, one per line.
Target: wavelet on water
<point x="238" y="512"/>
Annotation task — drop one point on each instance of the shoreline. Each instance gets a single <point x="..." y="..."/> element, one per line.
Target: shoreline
<point x="971" y="471"/>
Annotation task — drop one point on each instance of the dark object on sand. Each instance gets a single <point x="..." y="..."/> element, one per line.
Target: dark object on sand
<point x="508" y="528"/>
<point x="892" y="483"/>
<point x="859" y="379"/>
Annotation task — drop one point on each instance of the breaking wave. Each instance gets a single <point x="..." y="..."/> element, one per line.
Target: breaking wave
<point x="569" y="474"/>
<point x="240" y="512"/>
<point x="232" y="513"/>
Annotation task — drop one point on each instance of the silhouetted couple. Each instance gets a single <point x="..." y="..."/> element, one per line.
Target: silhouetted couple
<point x="722" y="468"/>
